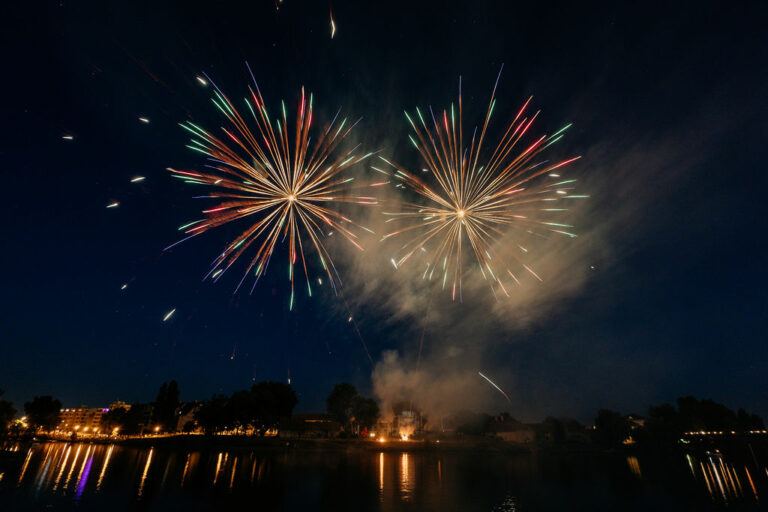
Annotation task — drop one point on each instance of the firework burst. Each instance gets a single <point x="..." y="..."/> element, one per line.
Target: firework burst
<point x="475" y="200"/>
<point x="284" y="184"/>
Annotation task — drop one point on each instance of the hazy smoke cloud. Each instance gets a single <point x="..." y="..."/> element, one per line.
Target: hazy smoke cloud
<point x="437" y="388"/>
<point x="622" y="176"/>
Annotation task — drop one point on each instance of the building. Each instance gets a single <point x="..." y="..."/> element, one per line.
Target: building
<point x="511" y="430"/>
<point x="309" y="426"/>
<point x="118" y="404"/>
<point x="86" y="420"/>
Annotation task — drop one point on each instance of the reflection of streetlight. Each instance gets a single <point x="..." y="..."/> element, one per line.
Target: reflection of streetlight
<point x="157" y="429"/>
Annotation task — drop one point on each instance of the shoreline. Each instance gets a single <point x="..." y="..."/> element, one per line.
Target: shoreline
<point x="202" y="442"/>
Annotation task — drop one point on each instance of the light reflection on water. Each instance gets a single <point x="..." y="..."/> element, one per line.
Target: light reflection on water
<point x="96" y="477"/>
<point x="722" y="479"/>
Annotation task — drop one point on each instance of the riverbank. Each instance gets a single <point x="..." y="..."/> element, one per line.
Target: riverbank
<point x="192" y="442"/>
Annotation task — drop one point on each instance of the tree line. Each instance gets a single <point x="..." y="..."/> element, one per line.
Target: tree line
<point x="255" y="410"/>
<point x="665" y="424"/>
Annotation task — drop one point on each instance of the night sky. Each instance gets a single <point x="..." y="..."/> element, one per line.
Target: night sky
<point x="669" y="110"/>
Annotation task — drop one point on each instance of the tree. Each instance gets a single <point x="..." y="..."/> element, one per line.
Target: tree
<point x="166" y="403"/>
<point x="745" y="420"/>
<point x="115" y="418"/>
<point x="339" y="402"/>
<point x="365" y="411"/>
<point x="43" y="412"/>
<point x="471" y="423"/>
<point x="242" y="409"/>
<point x="212" y="416"/>
<point x="274" y="400"/>
<point x="7" y="412"/>
<point x="611" y="428"/>
<point x="553" y="430"/>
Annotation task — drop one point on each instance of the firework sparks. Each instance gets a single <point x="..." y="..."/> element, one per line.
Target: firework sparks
<point x="478" y="199"/>
<point x="68" y="137"/>
<point x="333" y="25"/>
<point x="137" y="179"/>
<point x="144" y="120"/>
<point x="201" y="80"/>
<point x="114" y="204"/>
<point x="495" y="386"/>
<point x="169" y="314"/>
<point x="285" y="184"/>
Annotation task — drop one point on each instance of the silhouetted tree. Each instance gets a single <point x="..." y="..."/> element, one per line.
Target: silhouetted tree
<point x="662" y="426"/>
<point x="274" y="400"/>
<point x="553" y="430"/>
<point x="212" y="416"/>
<point x="611" y="428"/>
<point x="43" y="412"/>
<point x="115" y="418"/>
<point x="7" y="412"/>
<point x="365" y="411"/>
<point x="241" y="409"/>
<point x="166" y="403"/>
<point x="136" y="419"/>
<point x="748" y="421"/>
<point x="339" y="402"/>
<point x="472" y="423"/>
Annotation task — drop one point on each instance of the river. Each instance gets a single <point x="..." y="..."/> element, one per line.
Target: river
<point x="85" y="477"/>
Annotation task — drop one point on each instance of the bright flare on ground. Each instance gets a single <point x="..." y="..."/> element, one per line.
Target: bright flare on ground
<point x="475" y="200"/>
<point x="285" y="185"/>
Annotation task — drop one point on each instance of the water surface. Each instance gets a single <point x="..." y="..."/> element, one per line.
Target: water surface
<point x="81" y="476"/>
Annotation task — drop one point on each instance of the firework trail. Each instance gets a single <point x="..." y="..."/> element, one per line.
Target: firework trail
<point x="476" y="199"/>
<point x="286" y="185"/>
<point x="495" y="386"/>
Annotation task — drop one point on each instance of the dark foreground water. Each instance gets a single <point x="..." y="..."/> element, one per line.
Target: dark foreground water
<point x="78" y="476"/>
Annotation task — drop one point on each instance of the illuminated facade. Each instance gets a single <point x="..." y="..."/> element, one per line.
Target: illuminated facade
<point x="82" y="419"/>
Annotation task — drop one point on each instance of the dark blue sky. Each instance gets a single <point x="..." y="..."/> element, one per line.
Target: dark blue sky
<point x="670" y="113"/>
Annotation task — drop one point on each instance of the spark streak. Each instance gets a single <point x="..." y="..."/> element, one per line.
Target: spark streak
<point x="495" y="386"/>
